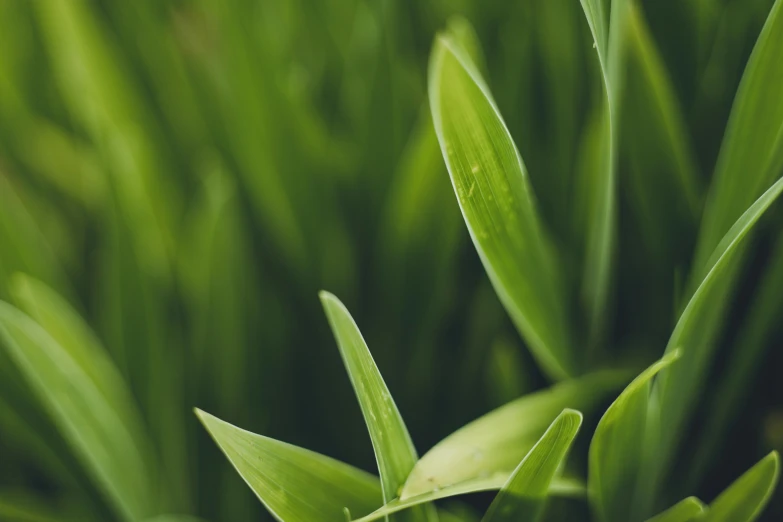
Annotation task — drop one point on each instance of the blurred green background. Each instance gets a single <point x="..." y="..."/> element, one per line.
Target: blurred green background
<point x="188" y="174"/>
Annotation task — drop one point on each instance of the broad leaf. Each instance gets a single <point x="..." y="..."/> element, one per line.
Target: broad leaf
<point x="523" y="497"/>
<point x="746" y="498"/>
<point x="294" y="484"/>
<point x="84" y="394"/>
<point x="394" y="450"/>
<point x="686" y="510"/>
<point x="497" y="202"/>
<point x="495" y="443"/>
<point x="616" y="451"/>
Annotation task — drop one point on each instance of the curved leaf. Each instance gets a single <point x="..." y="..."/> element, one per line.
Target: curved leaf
<point x="562" y="487"/>
<point x="523" y="496"/>
<point x="685" y="510"/>
<point x="617" y="446"/>
<point x="746" y="498"/>
<point x="84" y="394"/>
<point x="495" y="443"/>
<point x="294" y="484"/>
<point x="497" y="202"/>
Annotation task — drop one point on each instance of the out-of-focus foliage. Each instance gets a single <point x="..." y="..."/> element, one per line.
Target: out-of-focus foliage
<point x="179" y="179"/>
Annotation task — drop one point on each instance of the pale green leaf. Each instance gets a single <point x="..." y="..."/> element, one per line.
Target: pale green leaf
<point x="616" y="451"/>
<point x="497" y="202"/>
<point x="562" y="487"/>
<point x="495" y="443"/>
<point x="294" y="484"/>
<point x="394" y="450"/>
<point x="746" y="498"/>
<point x="84" y="394"/>
<point x="524" y="496"/>
<point x="685" y="510"/>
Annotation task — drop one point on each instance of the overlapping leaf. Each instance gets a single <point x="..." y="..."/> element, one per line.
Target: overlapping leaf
<point x="523" y="497"/>
<point x="617" y="449"/>
<point x="495" y="443"/>
<point x="746" y="498"/>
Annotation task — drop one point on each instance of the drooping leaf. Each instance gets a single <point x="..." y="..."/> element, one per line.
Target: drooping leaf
<point x="685" y="510"/>
<point x="523" y="497"/>
<point x="616" y="451"/>
<point x="294" y="484"/>
<point x="394" y="450"/>
<point x="747" y="497"/>
<point x="495" y="443"/>
<point x="85" y="396"/>
<point x="498" y="205"/>
<point x="561" y="487"/>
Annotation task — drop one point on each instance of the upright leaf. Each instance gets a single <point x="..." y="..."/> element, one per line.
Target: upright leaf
<point x="616" y="451"/>
<point x="495" y="443"/>
<point x="685" y="510"/>
<point x="524" y="495"/>
<point x="601" y="197"/>
<point x="393" y="447"/>
<point x="85" y="396"/>
<point x="746" y="498"/>
<point x="679" y="386"/>
<point x="294" y="484"/>
<point x="497" y="202"/>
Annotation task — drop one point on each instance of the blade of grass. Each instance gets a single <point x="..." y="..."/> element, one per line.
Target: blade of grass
<point x="394" y="450"/>
<point x="294" y="484"/>
<point x="561" y="487"/>
<point x="493" y="191"/>
<point x="616" y="451"/>
<point x="747" y="497"/>
<point x="523" y="497"/>
<point x="601" y="197"/>
<point x="87" y="400"/>
<point x="677" y="389"/>
<point x="498" y="441"/>
<point x="685" y="510"/>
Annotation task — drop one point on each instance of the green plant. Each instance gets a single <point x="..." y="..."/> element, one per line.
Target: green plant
<point x="178" y="179"/>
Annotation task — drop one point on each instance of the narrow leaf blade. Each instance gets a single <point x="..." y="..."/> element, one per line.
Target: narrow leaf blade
<point x="746" y="498"/>
<point x="294" y="484"/>
<point x="391" y="441"/>
<point x="685" y="510"/>
<point x="524" y="495"/>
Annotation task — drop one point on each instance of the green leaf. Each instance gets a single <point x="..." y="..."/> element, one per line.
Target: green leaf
<point x="751" y="155"/>
<point x="523" y="496"/>
<point x="661" y="166"/>
<point x="394" y="450"/>
<point x="601" y="205"/>
<point x="294" y="484"/>
<point x="497" y="202"/>
<point x="677" y="388"/>
<point x="685" y="510"/>
<point x="495" y="443"/>
<point x="562" y="487"/>
<point x="616" y="451"/>
<point x="746" y="498"/>
<point x="84" y="394"/>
